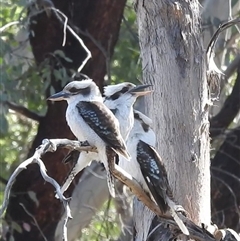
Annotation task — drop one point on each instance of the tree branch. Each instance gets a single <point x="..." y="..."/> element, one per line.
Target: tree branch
<point x="60" y="14"/>
<point x="221" y="28"/>
<point x="23" y="111"/>
<point x="213" y="73"/>
<point x="46" y="146"/>
<point x="231" y="107"/>
<point x="196" y="232"/>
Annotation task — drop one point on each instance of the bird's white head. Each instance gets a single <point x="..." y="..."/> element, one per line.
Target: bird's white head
<point x="85" y="90"/>
<point x="142" y="128"/>
<point x="125" y="93"/>
<point x="139" y="116"/>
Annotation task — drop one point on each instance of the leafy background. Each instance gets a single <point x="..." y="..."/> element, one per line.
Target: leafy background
<point x="21" y="82"/>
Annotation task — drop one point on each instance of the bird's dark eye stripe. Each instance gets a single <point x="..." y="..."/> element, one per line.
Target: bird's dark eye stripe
<point x="125" y="89"/>
<point x="84" y="91"/>
<point x="118" y="94"/>
<point x="144" y="125"/>
<point x="115" y="96"/>
<point x="74" y="90"/>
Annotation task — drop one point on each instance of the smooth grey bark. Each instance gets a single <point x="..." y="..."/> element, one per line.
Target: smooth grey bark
<point x="173" y="62"/>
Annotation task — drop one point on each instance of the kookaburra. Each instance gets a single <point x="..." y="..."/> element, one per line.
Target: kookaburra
<point x="147" y="168"/>
<point x="89" y="119"/>
<point x="119" y="99"/>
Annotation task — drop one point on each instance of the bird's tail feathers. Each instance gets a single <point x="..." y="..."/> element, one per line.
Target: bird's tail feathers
<point x="176" y="218"/>
<point x="123" y="152"/>
<point x="110" y="182"/>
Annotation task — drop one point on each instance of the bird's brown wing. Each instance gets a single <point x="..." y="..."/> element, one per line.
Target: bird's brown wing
<point x="104" y="124"/>
<point x="154" y="173"/>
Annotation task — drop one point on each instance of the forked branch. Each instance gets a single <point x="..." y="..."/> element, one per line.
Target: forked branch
<point x="51" y="145"/>
<point x="46" y="146"/>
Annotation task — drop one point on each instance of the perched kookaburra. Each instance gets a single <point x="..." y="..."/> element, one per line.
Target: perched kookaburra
<point x="147" y="168"/>
<point x="89" y="119"/>
<point x="119" y="99"/>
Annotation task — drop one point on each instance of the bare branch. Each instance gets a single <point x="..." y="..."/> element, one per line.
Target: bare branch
<point x="58" y="14"/>
<point x="222" y="27"/>
<point x="51" y="145"/>
<point x="34" y="220"/>
<point x="46" y="146"/>
<point x="89" y="55"/>
<point x="23" y="111"/>
<point x="8" y="25"/>
<point x="213" y="73"/>
<point x="106" y="53"/>
<point x="231" y="107"/>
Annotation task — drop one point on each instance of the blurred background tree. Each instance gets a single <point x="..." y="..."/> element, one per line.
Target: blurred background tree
<point x="34" y="64"/>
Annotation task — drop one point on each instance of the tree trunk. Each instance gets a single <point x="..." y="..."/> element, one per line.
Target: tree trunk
<point x="173" y="62"/>
<point x="46" y="35"/>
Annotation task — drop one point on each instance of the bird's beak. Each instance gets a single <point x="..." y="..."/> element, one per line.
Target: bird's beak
<point x="59" y="96"/>
<point x="140" y="90"/>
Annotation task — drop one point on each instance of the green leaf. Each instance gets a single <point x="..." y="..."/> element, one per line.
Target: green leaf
<point x="33" y="196"/>
<point x="68" y="59"/>
<point x="57" y="74"/>
<point x="60" y="53"/>
<point x="17" y="227"/>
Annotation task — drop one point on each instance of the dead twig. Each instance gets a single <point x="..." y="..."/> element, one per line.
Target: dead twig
<point x="51" y="145"/>
<point x="46" y="146"/>
<point x="213" y="73"/>
<point x="58" y="15"/>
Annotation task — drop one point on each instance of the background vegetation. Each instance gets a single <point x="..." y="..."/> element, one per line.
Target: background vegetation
<point x="25" y="82"/>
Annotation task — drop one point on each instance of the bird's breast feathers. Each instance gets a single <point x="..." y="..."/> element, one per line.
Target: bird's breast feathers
<point x="79" y="127"/>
